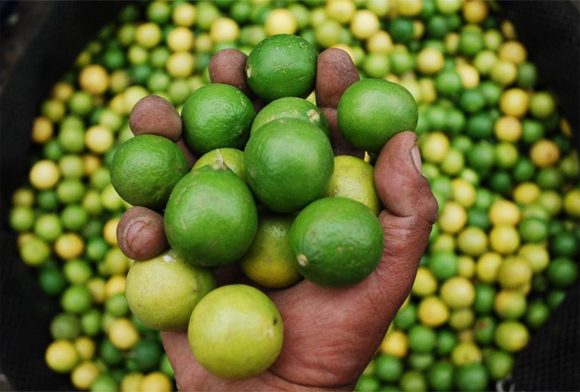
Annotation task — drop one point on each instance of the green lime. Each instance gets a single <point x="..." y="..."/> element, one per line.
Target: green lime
<point x="282" y="66"/>
<point x="562" y="272"/>
<point x="353" y="178"/>
<point x="483" y="330"/>
<point x="413" y="381"/>
<point x="211" y="217"/>
<point x="291" y="107"/>
<point x="367" y="383"/>
<point x="147" y="354"/>
<point x="337" y="241"/>
<point x="537" y="314"/>
<point x="406" y="317"/>
<point x="443" y="265"/>
<point x="422" y="339"/>
<point x="499" y="364"/>
<point x="388" y="368"/>
<point x="269" y="261"/>
<point x="76" y="299"/>
<point x="146" y="168"/>
<point x="440" y="376"/>
<point x="288" y="164"/>
<point x="231" y="158"/>
<point x="65" y="326"/>
<point x="446" y="342"/>
<point x="236" y="332"/>
<point x="163" y="291"/>
<point x="371" y="111"/>
<point x="471" y="377"/>
<point x="217" y="116"/>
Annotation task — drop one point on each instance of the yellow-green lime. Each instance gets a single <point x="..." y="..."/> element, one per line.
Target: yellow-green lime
<point x="288" y="164"/>
<point x="336" y="241"/>
<point x="162" y="292"/>
<point x="231" y="158"/>
<point x="353" y="178"/>
<point x="282" y="66"/>
<point x="269" y="261"/>
<point x="291" y="107"/>
<point x="146" y="168"/>
<point x="236" y="332"/>
<point x="216" y="116"/>
<point x="371" y="111"/>
<point x="211" y="217"/>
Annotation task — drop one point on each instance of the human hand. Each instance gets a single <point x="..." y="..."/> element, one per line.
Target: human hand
<point x="330" y="334"/>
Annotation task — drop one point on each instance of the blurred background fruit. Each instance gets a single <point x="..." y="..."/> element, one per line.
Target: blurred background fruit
<point x="495" y="145"/>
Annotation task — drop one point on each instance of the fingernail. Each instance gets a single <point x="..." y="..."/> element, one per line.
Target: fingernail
<point x="134" y="229"/>
<point x="416" y="157"/>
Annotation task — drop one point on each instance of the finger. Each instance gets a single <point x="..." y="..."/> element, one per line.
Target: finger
<point x="229" y="66"/>
<point x="339" y="143"/>
<point x="140" y="233"/>
<point x="157" y="116"/>
<point x="187" y="370"/>
<point x="335" y="72"/>
<point x="404" y="191"/>
<point x="409" y="214"/>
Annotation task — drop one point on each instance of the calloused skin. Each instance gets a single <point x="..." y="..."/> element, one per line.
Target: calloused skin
<point x="330" y="335"/>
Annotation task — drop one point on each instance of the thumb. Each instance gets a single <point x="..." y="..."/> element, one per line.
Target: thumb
<point x="409" y="214"/>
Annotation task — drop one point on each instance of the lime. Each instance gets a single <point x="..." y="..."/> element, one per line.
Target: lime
<point x="211" y="217"/>
<point x="291" y="107"/>
<point x="440" y="376"/>
<point x="146" y="168"/>
<point x="216" y="116"/>
<point x="282" y="66"/>
<point x="562" y="272"/>
<point x="511" y="336"/>
<point x="236" y="332"/>
<point x="288" y="164"/>
<point x="163" y="291"/>
<point x="471" y="377"/>
<point x="510" y="304"/>
<point x="336" y="241"/>
<point x="499" y="364"/>
<point x="388" y="368"/>
<point x="269" y="261"/>
<point x="353" y="178"/>
<point x="371" y="111"/>
<point x="231" y="158"/>
<point x="422" y="339"/>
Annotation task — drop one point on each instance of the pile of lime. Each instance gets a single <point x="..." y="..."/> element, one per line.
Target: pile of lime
<point x="497" y="153"/>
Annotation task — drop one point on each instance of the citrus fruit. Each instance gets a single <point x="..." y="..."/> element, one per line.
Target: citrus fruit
<point x="215" y="116"/>
<point x="291" y="107"/>
<point x="336" y="241"/>
<point x="288" y="164"/>
<point x="236" y="332"/>
<point x="371" y="111"/>
<point x="282" y="66"/>
<point x="211" y="217"/>
<point x="231" y="158"/>
<point x="353" y="178"/>
<point x="146" y="168"/>
<point x="162" y="292"/>
<point x="268" y="262"/>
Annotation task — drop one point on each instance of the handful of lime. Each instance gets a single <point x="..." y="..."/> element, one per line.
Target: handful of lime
<point x="267" y="193"/>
